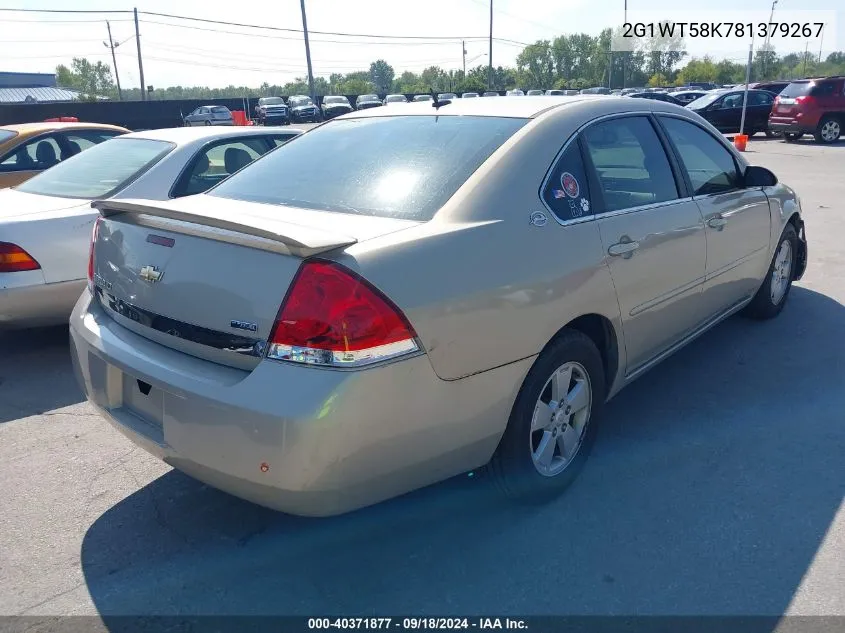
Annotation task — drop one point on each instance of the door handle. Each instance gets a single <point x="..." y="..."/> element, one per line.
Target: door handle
<point x="626" y="249"/>
<point x="717" y="222"/>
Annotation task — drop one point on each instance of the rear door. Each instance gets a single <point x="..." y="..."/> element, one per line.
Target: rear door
<point x="759" y="107"/>
<point x="652" y="233"/>
<point x="737" y="219"/>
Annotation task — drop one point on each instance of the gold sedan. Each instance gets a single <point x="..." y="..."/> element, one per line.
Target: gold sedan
<point x="29" y="148"/>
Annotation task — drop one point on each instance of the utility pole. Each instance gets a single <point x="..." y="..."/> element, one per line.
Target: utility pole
<point x="307" y="52"/>
<point x="464" y="55"/>
<point x="624" y="53"/>
<point x="490" y="54"/>
<point x="766" y="43"/>
<point x="821" y="41"/>
<point x="140" y="62"/>
<point x="113" y="46"/>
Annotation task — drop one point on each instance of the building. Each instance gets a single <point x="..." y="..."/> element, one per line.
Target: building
<point x="33" y="88"/>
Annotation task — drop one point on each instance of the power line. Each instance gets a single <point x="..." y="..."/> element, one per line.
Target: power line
<point x="321" y="40"/>
<point x="65" y="11"/>
<point x="45" y="22"/>
<point x="335" y="33"/>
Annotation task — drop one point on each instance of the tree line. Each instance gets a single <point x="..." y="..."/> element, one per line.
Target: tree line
<point x="567" y="62"/>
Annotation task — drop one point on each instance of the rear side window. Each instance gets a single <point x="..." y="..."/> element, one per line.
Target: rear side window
<point x="710" y="165"/>
<point x="567" y="193"/>
<point x="5" y="135"/>
<point x="760" y="99"/>
<point x="216" y="162"/>
<point x="36" y="155"/>
<point x="823" y="89"/>
<point x="630" y="162"/>
<point x="797" y="89"/>
<point x="398" y="166"/>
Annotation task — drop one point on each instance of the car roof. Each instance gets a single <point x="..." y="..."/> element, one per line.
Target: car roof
<point x="182" y="135"/>
<point x="46" y="126"/>
<point x="513" y="108"/>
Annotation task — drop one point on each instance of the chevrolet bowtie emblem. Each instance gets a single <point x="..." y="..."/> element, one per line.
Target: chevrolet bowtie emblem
<point x="151" y="274"/>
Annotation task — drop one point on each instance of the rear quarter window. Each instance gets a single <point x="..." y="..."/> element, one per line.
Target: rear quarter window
<point x="797" y="89"/>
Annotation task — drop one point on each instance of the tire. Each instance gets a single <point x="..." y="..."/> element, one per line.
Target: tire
<point x="187" y="124"/>
<point x="773" y="133"/>
<point x="513" y="466"/>
<point x="769" y="301"/>
<point x="828" y="130"/>
<point x="791" y="137"/>
<point x="208" y="122"/>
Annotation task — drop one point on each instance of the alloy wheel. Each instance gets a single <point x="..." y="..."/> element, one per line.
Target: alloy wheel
<point x="781" y="273"/>
<point x="560" y="419"/>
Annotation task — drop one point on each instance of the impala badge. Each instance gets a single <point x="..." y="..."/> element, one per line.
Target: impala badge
<point x="538" y="218"/>
<point x="151" y="274"/>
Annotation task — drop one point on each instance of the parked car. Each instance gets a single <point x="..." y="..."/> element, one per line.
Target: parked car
<point x="555" y="93"/>
<point x="598" y="90"/>
<point x="658" y="96"/>
<point x="210" y="115"/>
<point x="335" y="105"/>
<point x="303" y="110"/>
<point x="628" y="91"/>
<point x="367" y="101"/>
<point x="469" y="95"/>
<point x="775" y="87"/>
<point x="688" y="96"/>
<point x="723" y="108"/>
<point x="490" y="93"/>
<point x="446" y="96"/>
<point x="397" y="98"/>
<point x="534" y="93"/>
<point x="45" y="223"/>
<point x="272" y="111"/>
<point x="28" y="149"/>
<point x="318" y="382"/>
<point x="702" y="85"/>
<point x="811" y="106"/>
<point x="515" y="93"/>
<point x="423" y="98"/>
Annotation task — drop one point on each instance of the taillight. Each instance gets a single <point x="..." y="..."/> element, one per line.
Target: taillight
<point x="335" y="318"/>
<point x="804" y="99"/>
<point x="91" y="254"/>
<point x="13" y="259"/>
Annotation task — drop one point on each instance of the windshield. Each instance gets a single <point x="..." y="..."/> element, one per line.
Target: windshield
<point x="422" y="98"/>
<point x="395" y="98"/>
<point x="272" y="101"/>
<point x="5" y="135"/>
<point x="798" y="89"/>
<point x="447" y="95"/>
<point x="368" y="98"/>
<point x="470" y="95"/>
<point x="400" y="167"/>
<point x="335" y="100"/>
<point x="704" y="100"/>
<point x="100" y="171"/>
<point x="299" y="101"/>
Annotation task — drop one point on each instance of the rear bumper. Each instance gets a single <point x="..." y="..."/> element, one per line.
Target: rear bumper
<point x="229" y="122"/>
<point x="788" y="127"/>
<point x="26" y="301"/>
<point x="302" y="440"/>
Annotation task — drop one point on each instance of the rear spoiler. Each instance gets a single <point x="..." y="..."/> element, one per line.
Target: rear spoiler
<point x="265" y="234"/>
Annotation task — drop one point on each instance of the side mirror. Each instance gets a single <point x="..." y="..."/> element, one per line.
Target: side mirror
<point x="759" y="177"/>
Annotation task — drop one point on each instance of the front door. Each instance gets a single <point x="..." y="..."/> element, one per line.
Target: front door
<point x="653" y="237"/>
<point x="737" y="219"/>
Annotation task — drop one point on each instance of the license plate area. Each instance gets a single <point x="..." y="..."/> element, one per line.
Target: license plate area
<point x="144" y="400"/>
<point x="784" y="108"/>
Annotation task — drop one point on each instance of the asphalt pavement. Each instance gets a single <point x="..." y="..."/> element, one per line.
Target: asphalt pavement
<point x="715" y="487"/>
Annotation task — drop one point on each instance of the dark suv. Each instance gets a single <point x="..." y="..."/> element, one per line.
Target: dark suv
<point x="810" y="106"/>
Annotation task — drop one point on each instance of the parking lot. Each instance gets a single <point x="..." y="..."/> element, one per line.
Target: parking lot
<point x="715" y="487"/>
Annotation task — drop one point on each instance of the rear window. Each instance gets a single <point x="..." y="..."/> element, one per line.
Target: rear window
<point x="100" y="171"/>
<point x="220" y="110"/>
<point x="797" y="89"/>
<point x="402" y="167"/>
<point x="5" y="135"/>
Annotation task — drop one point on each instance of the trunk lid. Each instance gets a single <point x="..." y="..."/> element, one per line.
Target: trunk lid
<point x="19" y="204"/>
<point x="206" y="275"/>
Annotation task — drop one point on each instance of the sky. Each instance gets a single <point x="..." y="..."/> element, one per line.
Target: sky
<point x="176" y="55"/>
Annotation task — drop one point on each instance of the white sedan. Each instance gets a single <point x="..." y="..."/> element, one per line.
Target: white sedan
<point x="46" y="222"/>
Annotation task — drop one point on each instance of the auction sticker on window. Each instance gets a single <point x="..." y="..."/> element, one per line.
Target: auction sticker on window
<point x="569" y="184"/>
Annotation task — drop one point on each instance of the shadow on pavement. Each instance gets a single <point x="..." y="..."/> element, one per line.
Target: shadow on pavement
<point x="709" y="491"/>
<point x="35" y="372"/>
